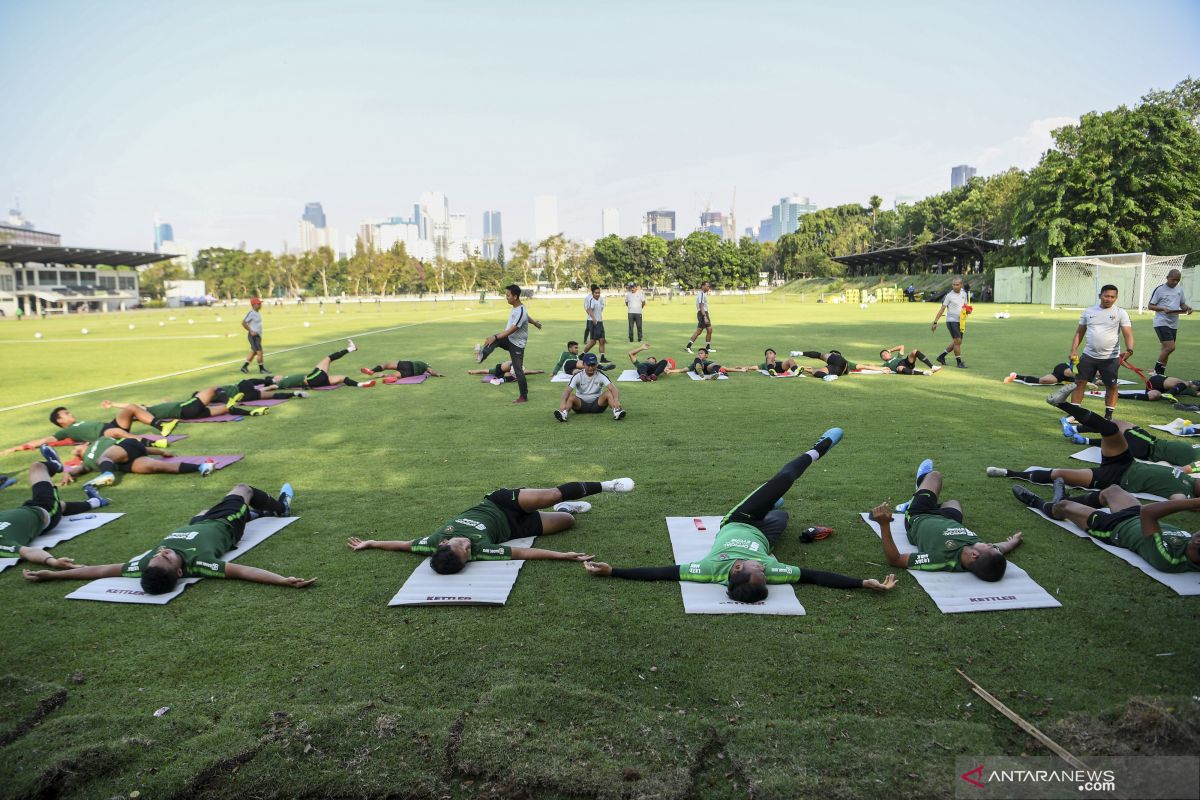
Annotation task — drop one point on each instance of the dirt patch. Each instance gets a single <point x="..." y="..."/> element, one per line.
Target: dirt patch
<point x="1144" y="726"/>
<point x="47" y="706"/>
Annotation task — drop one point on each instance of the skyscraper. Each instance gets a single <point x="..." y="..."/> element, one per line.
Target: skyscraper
<point x="714" y="222"/>
<point x="315" y="214"/>
<point x="960" y="175"/>
<point x="610" y="222"/>
<point x="162" y="233"/>
<point x="660" y="223"/>
<point x="493" y="236"/>
<point x="785" y="216"/>
<point x="545" y="217"/>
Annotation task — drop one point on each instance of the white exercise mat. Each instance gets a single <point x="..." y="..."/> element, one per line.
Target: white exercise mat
<point x="780" y="374"/>
<point x="1176" y="427"/>
<point x="1052" y="386"/>
<point x="1128" y="394"/>
<point x="695" y="377"/>
<point x="67" y="528"/>
<point x="1092" y="455"/>
<point x="481" y="583"/>
<point x="1139" y="495"/>
<point x="690" y="543"/>
<point x="628" y="375"/>
<point x="560" y="377"/>
<point x="129" y="590"/>
<point x="1185" y="583"/>
<point x="958" y="592"/>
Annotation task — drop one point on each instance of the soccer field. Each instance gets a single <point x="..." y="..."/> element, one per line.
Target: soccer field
<point x="578" y="686"/>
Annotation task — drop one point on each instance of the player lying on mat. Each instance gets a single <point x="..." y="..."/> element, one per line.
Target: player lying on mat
<point x="253" y="389"/>
<point x="773" y="366"/>
<point x="742" y="556"/>
<point x="503" y="372"/>
<point x="319" y="376"/>
<point x="894" y="360"/>
<point x="112" y="456"/>
<point x="835" y="363"/>
<point x="407" y="369"/>
<point x="201" y="405"/>
<point x="651" y="368"/>
<point x="1061" y="373"/>
<point x="1143" y="445"/>
<point x="194" y="550"/>
<point x="943" y="542"/>
<point x="479" y="533"/>
<point x="1161" y="387"/>
<point x="84" y="431"/>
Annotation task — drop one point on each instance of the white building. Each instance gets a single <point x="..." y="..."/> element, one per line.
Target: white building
<point x="184" y="254"/>
<point x="545" y="217"/>
<point x="313" y="238"/>
<point x="610" y="222"/>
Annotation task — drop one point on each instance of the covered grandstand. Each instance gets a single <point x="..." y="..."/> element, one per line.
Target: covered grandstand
<point x="41" y="279"/>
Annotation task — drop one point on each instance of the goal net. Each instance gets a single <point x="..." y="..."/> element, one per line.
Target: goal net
<point x="1076" y="281"/>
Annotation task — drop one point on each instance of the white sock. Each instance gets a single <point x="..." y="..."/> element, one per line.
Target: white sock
<point x="94" y="502"/>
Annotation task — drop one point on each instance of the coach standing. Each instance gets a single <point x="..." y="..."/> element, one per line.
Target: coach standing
<point x="635" y="298"/>
<point x="252" y="322"/>
<point x="952" y="307"/>
<point x="1168" y="301"/>
<point x="1102" y="357"/>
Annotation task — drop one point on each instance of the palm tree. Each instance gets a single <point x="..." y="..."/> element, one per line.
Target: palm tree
<point x="875" y="202"/>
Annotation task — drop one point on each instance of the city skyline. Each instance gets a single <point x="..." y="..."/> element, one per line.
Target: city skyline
<point x="562" y="119"/>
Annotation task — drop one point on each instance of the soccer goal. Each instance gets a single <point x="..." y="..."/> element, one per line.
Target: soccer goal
<point x="1076" y="281"/>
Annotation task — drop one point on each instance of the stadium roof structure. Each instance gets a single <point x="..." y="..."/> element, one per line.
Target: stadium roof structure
<point x="76" y="256"/>
<point x="949" y="245"/>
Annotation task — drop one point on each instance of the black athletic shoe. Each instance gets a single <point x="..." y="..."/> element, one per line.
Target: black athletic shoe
<point x="1026" y="496"/>
<point x="263" y="370"/>
<point x="961" y="365"/>
<point x="607" y="366"/>
<point x="941" y="359"/>
<point x="246" y="369"/>
<point x="1060" y="489"/>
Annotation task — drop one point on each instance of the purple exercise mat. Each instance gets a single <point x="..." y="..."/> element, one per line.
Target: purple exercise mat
<point x="328" y="388"/>
<point x="264" y="403"/>
<point x="214" y="418"/>
<point x="410" y="379"/>
<point x="221" y="462"/>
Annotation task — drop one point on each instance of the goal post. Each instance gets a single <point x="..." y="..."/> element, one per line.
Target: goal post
<point x="1075" y="281"/>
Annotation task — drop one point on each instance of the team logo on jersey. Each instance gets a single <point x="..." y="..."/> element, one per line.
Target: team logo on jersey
<point x="470" y="523"/>
<point x="185" y="535"/>
<point x="215" y="567"/>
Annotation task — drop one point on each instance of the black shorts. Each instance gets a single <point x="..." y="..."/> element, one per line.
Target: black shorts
<point x="836" y="364"/>
<point x="1157" y="382"/>
<point x="405" y="368"/>
<point x="1090" y="368"/>
<point x="232" y="510"/>
<point x="955" y="329"/>
<point x="597" y="330"/>
<point x="316" y="379"/>
<point x="1105" y="521"/>
<point x="905" y="368"/>
<point x="926" y="504"/>
<point x="1060" y="373"/>
<point x="255" y="340"/>
<point x="702" y="320"/>
<point x="193" y="409"/>
<point x="1111" y="470"/>
<point x="497" y="371"/>
<point x="521" y="522"/>
<point x="134" y="448"/>
<point x="589" y="406"/>
<point x="1165" y="334"/>
<point x="249" y="388"/>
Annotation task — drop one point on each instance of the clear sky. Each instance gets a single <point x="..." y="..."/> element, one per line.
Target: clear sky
<point x="226" y="117"/>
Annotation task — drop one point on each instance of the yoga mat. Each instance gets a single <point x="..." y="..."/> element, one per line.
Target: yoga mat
<point x="777" y="375"/>
<point x="67" y="528"/>
<point x="488" y="379"/>
<point x="214" y="418"/>
<point x="481" y="583"/>
<point x="696" y="377"/>
<point x="1092" y="456"/>
<point x="1175" y="426"/>
<point x="264" y="403"/>
<point x="327" y="388"/>
<point x="629" y="375"/>
<point x="129" y="590"/>
<point x="145" y="437"/>
<point x="959" y="592"/>
<point x="221" y="462"/>
<point x="560" y="377"/>
<point x="1139" y="495"/>
<point x="410" y="380"/>
<point x="1127" y="395"/>
<point x="1052" y="386"/>
<point x="690" y="543"/>
<point x="1185" y="583"/>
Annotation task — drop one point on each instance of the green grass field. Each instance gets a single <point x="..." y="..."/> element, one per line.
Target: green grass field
<point x="579" y="687"/>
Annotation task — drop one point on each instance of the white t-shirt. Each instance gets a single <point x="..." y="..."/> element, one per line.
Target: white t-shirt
<point x="589" y="387"/>
<point x="1104" y="330"/>
<point x="635" y="301"/>
<point x="519" y="317"/>
<point x="954" y="301"/>
<point x="702" y="300"/>
<point x="254" y="320"/>
<point x="1172" y="299"/>
<point x="596" y="306"/>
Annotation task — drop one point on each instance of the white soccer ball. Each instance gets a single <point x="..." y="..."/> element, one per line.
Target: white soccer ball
<point x="131" y="326"/>
<point x="862" y="305"/>
<point x="191" y="322"/>
<point x="218" y="319"/>
<point x="83" y="331"/>
<point x="37" y="336"/>
<point x="162" y="324"/>
<point x="307" y="323"/>
<point x="171" y="318"/>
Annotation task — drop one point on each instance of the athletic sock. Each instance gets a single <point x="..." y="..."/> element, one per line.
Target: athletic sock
<point x="1027" y="379"/>
<point x="156" y="423"/>
<point x="1047" y="508"/>
<point x="1108" y="413"/>
<point x="1031" y="475"/>
<point x="1095" y="442"/>
<point x="188" y="467"/>
<point x="578" y="489"/>
<point x="283" y="395"/>
<point x="1090" y="499"/>
<point x="350" y="382"/>
<point x="264" y="503"/>
<point x="945" y="353"/>
<point x="377" y="368"/>
<point x="337" y="355"/>
<point x="1094" y="422"/>
<point x="811" y="354"/>
<point x="107" y="466"/>
<point x="924" y="359"/>
<point x="237" y="411"/>
<point x="1160" y="368"/>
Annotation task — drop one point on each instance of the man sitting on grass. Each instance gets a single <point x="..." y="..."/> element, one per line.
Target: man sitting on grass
<point x="195" y="549"/>
<point x="479" y="533"/>
<point x="42" y="513"/>
<point x="407" y="369"/>
<point x="742" y="556"/>
<point x="943" y="542"/>
<point x="773" y="366"/>
<point x="589" y="392"/>
<point x="111" y="456"/>
<point x="319" y="377"/>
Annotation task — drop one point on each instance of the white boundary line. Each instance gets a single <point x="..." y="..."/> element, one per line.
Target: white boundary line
<point x="234" y="361"/>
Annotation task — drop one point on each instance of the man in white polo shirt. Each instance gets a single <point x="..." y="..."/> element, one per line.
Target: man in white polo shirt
<point x="1168" y="301"/>
<point x="952" y="306"/>
<point x="703" y="321"/>
<point x="635" y="298"/>
<point x="1103" y="324"/>
<point x="589" y="392"/>
<point x="593" y="306"/>
<point x="252" y="322"/>
<point x="513" y="339"/>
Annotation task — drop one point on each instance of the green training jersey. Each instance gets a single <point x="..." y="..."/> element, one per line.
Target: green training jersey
<point x="1178" y="453"/>
<point x="765" y="367"/>
<point x="485" y="525"/>
<point x="1165" y="550"/>
<point x="19" y="527"/>
<point x="200" y="545"/>
<point x="419" y="367"/>
<point x="291" y="381"/>
<point x="564" y="357"/>
<point x="939" y="542"/>
<point x="737" y="541"/>
<point x="83" y="431"/>
<point x="95" y="450"/>
<point x="1157" y="479"/>
<point x="171" y="409"/>
<point x="894" y="362"/>
<point x="700" y="366"/>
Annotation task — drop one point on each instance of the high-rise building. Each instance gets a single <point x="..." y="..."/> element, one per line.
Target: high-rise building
<point x="785" y="215"/>
<point x="163" y="232"/>
<point x="960" y="175"/>
<point x="766" y="230"/>
<point x="610" y="222"/>
<point x="315" y="214"/>
<point x="545" y="217"/>
<point x="493" y="235"/>
<point x="715" y="222"/>
<point x="661" y="223"/>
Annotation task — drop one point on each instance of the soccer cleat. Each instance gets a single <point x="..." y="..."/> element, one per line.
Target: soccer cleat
<point x="603" y="357"/>
<point x="168" y="426"/>
<point x="521" y="400"/>
<point x="924" y="469"/>
<point x="710" y="348"/>
<point x="643" y="377"/>
<point x="1067" y="429"/>
<point x="478" y="354"/>
<point x="207" y="468"/>
<point x="351" y="346"/>
<point x="1188" y="430"/>
<point x="1060" y="394"/>
<point x="573" y="506"/>
<point x="1012" y="376"/>
<point x="237" y="398"/>
<point x="366" y="371"/>
<point x="94" y="494"/>
<point x="496" y="381"/>
<point x="902" y="508"/>
<point x="390" y="379"/>
<point x="961" y="365"/>
<point x="1060" y="489"/>
<point x="366" y="384"/>
<point x="796" y="353"/>
<point x="1079" y="438"/>
<point x="263" y="370"/>
<point x="815" y="533"/>
<point x="618" y="413"/>
<point x="246" y="368"/>
<point x="688" y="348"/>
<point x="163" y="443"/>
<point x="257" y="411"/>
<point x="935" y="368"/>
<point x="300" y="395"/>
<point x="941" y="359"/>
<point x="771" y="372"/>
<point x="654" y="377"/>
<point x="54" y="464"/>
<point x="834" y="435"/>
<point x="607" y="366"/>
<point x="6" y="481"/>
<point x="103" y="479"/>
<point x="997" y="472"/>
<point x="286" y="495"/>
<point x="620" y="485"/>
<point x="1026" y="496"/>
<point x="1170" y="398"/>
<point x="829" y="378"/>
<point x="560" y="415"/>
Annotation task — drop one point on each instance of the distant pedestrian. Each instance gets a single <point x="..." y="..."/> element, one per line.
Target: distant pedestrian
<point x="635" y="298"/>
<point x="1168" y="301"/>
<point x="252" y="322"/>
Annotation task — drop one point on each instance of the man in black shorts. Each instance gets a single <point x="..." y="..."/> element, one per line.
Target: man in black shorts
<point x="319" y="377"/>
<point x="703" y="320"/>
<point x="479" y="533"/>
<point x="835" y="363"/>
<point x="1143" y="445"/>
<point x="407" y="369"/>
<point x="1168" y="302"/>
<point x="1103" y="324"/>
<point x="251" y="389"/>
<point x="501" y="373"/>
<point x="1062" y="373"/>
<point x="651" y="368"/>
<point x="112" y="456"/>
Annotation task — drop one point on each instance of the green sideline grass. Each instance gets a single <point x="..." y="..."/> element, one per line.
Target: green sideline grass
<point x="578" y="687"/>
